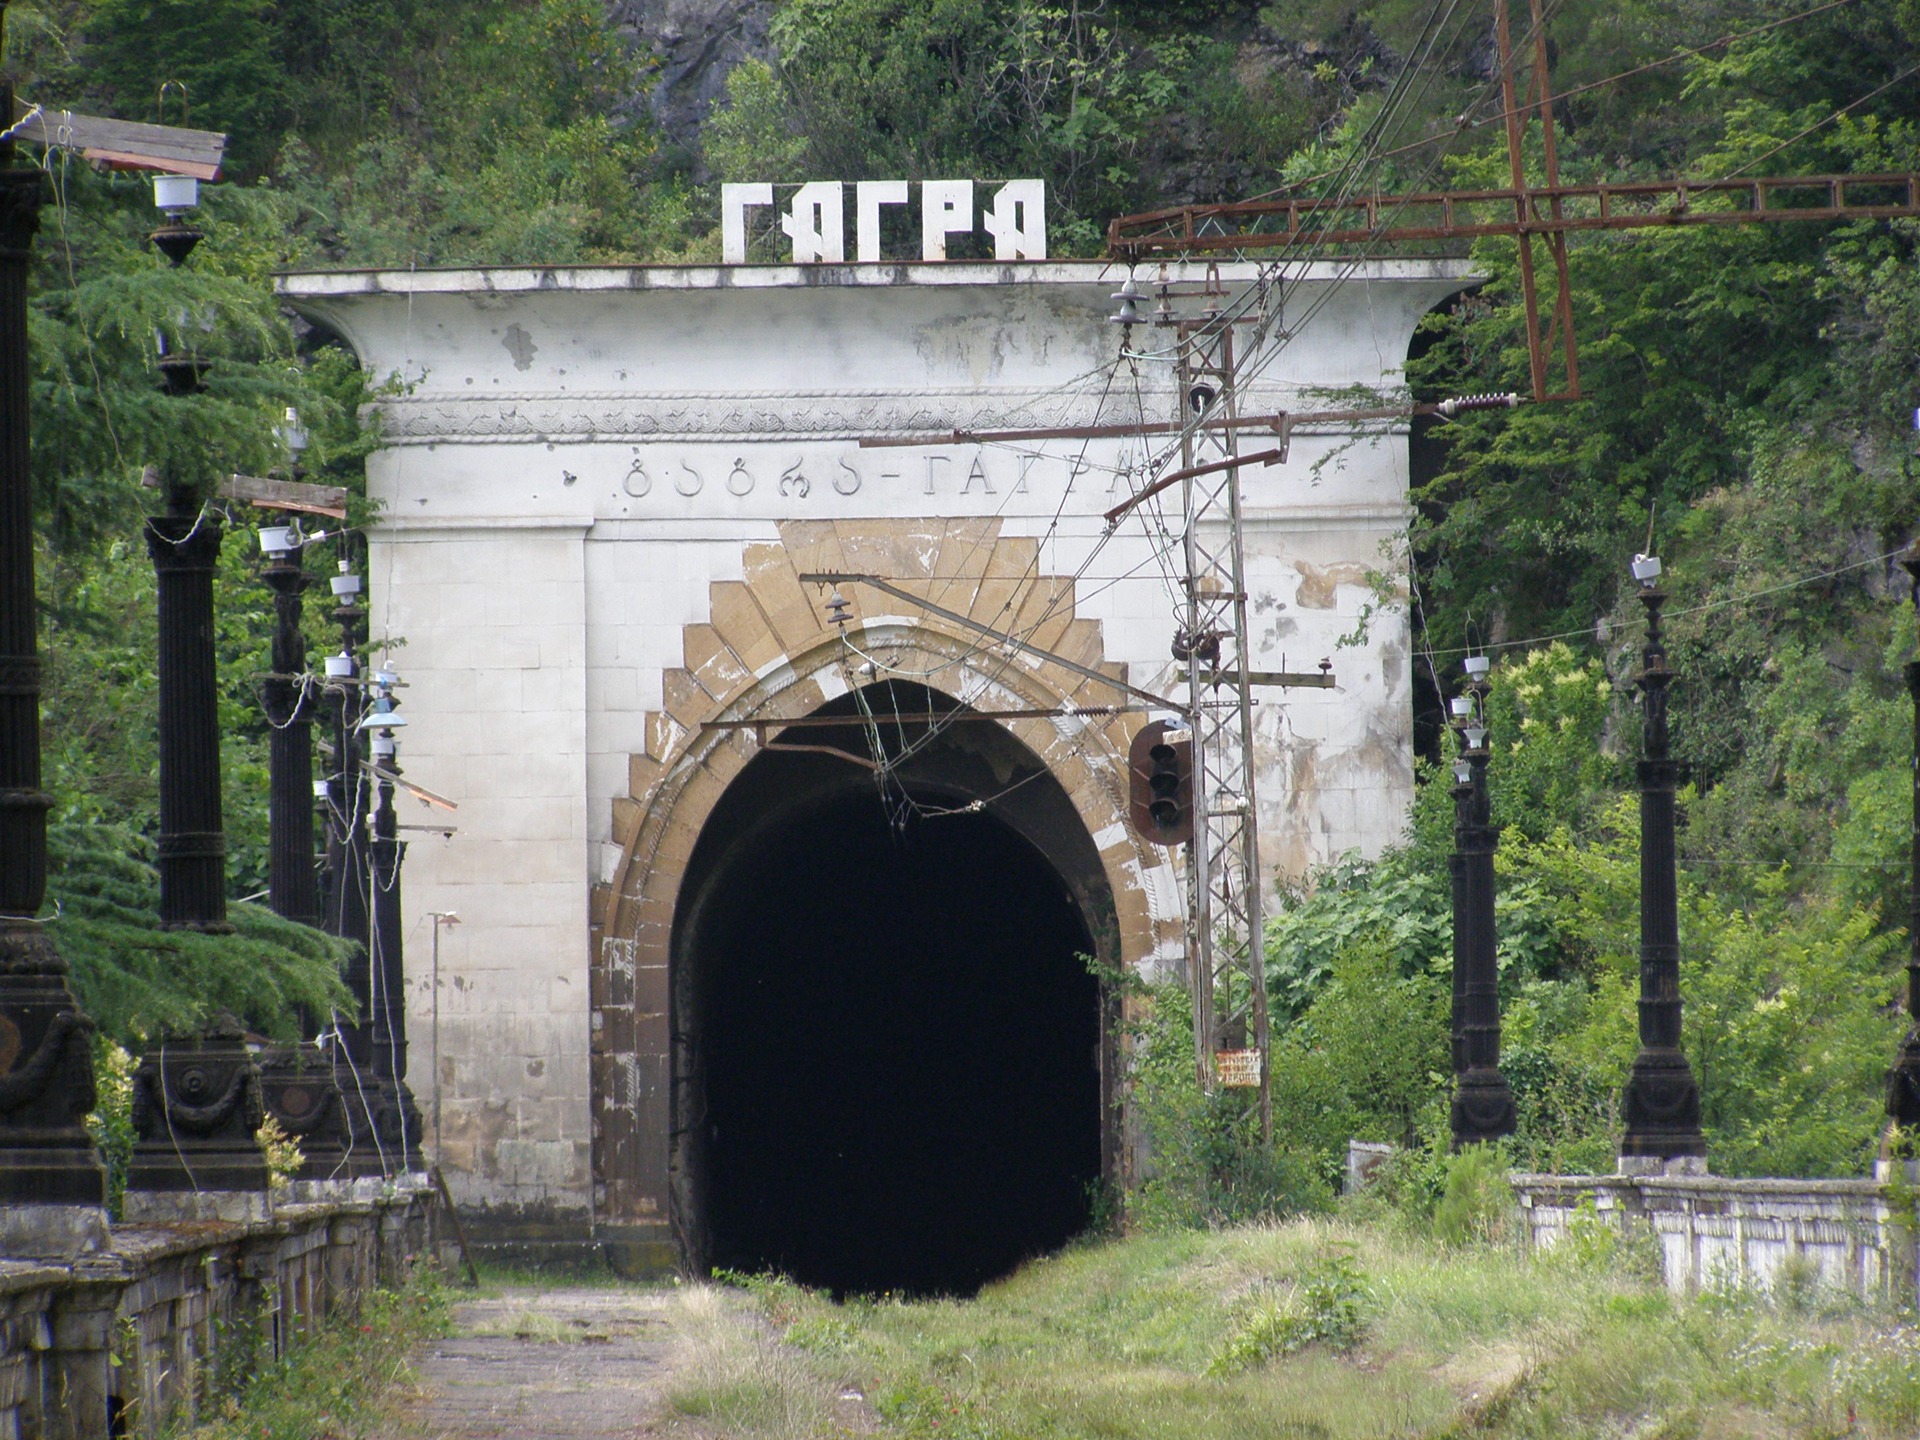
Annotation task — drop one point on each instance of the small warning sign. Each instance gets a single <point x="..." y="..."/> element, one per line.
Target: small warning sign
<point x="1237" y="1069"/>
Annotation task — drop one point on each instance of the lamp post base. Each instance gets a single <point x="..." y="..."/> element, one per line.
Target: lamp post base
<point x="197" y="1110"/>
<point x="298" y="1088"/>
<point x="48" y="1162"/>
<point x="1661" y="1109"/>
<point x="1482" y="1108"/>
<point x="383" y="1127"/>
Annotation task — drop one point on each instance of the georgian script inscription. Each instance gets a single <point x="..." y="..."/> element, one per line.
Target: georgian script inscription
<point x="793" y="482"/>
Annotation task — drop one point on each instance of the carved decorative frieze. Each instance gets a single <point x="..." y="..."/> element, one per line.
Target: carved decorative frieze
<point x="773" y="415"/>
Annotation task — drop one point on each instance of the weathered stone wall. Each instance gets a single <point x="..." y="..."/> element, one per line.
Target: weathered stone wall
<point x="1855" y="1236"/>
<point x="126" y="1340"/>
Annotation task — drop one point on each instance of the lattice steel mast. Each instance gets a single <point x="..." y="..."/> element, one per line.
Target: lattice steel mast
<point x="1223" y="873"/>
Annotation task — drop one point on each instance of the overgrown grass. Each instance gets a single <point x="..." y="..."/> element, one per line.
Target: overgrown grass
<point x="331" y="1388"/>
<point x="735" y="1378"/>
<point x="1328" y="1329"/>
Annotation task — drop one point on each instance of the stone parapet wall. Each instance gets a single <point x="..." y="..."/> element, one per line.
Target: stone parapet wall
<point x="131" y="1338"/>
<point x="1856" y="1236"/>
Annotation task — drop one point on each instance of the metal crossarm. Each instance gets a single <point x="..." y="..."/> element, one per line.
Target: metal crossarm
<point x="1308" y="223"/>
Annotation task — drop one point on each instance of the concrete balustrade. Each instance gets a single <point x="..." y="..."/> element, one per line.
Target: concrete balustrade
<point x="1852" y="1236"/>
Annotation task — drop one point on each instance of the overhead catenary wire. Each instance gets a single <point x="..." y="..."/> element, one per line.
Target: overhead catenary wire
<point x="1634" y="622"/>
<point x="1436" y="22"/>
<point x="1274" y="273"/>
<point x="1437" y="19"/>
<point x="1464" y="124"/>
<point x="885" y="764"/>
<point x="1366" y="154"/>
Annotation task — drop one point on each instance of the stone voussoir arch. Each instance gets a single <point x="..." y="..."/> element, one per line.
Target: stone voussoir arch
<point x="769" y="652"/>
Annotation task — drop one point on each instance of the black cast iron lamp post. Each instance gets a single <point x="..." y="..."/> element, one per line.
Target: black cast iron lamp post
<point x="298" y="1086"/>
<point x="1482" y="1108"/>
<point x="185" y="544"/>
<point x="1903" y="1081"/>
<point x="53" y="1190"/>
<point x="1661" y="1105"/>
<point x="292" y="888"/>
<point x="399" y="1115"/>
<point x="347" y="880"/>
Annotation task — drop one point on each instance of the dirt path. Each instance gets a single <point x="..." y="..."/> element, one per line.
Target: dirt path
<point x="543" y="1364"/>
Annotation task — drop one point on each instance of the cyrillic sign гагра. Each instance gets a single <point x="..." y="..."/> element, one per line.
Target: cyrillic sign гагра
<point x="815" y="220"/>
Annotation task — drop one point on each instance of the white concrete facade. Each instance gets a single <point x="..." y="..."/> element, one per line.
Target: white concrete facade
<point x="579" y="455"/>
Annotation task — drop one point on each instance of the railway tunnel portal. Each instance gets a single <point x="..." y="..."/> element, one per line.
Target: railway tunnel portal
<point x="892" y="1070"/>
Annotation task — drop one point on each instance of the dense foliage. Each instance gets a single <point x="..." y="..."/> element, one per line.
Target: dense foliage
<point x="101" y="300"/>
<point x="141" y="983"/>
<point x="1789" y="989"/>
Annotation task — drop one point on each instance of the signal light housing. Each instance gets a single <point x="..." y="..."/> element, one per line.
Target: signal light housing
<point x="1160" y="784"/>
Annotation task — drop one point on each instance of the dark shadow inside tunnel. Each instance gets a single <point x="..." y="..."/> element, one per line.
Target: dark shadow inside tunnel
<point x="890" y="1053"/>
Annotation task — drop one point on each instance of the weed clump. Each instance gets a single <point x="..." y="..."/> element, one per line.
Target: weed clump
<point x="336" y="1383"/>
<point x="1327" y="1305"/>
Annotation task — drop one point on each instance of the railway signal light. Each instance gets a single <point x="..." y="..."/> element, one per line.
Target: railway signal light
<point x="1160" y="784"/>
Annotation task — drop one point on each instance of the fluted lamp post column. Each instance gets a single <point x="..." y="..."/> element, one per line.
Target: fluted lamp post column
<point x="52" y="1186"/>
<point x="292" y="888"/>
<point x="399" y="1116"/>
<point x="347" y="799"/>
<point x="1482" y="1108"/>
<point x="184" y="542"/>
<point x="1903" y="1081"/>
<point x="1661" y="1105"/>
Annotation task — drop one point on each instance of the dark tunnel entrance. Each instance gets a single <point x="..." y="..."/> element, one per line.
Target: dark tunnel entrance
<point x="890" y="1073"/>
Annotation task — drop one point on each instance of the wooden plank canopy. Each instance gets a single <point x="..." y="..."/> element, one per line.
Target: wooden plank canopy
<point x="287" y="495"/>
<point x="123" y="144"/>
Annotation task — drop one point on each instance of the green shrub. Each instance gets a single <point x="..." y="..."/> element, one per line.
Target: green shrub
<point x="1477" y="1205"/>
<point x="111" y="1123"/>
<point x="140" y="982"/>
<point x="1206" y="1163"/>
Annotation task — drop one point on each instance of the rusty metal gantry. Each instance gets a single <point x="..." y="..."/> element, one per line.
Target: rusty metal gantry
<point x="1224" y="926"/>
<point x="1550" y="211"/>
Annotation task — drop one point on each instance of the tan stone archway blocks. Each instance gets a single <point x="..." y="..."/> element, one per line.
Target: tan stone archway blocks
<point x="768" y="650"/>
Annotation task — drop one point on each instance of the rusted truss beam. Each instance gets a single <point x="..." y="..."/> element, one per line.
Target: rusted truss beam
<point x="1529" y="210"/>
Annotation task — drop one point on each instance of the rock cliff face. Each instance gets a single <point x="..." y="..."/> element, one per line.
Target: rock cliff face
<point x="697" y="42"/>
